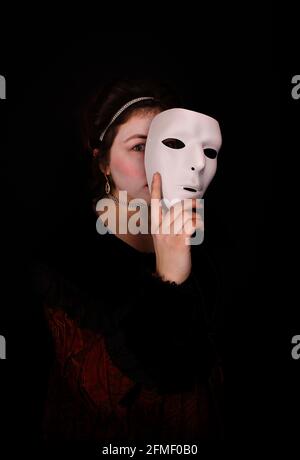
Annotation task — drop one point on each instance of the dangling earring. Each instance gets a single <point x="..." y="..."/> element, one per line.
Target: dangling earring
<point x="107" y="186"/>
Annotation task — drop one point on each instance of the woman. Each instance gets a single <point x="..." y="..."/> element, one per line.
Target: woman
<point x="128" y="312"/>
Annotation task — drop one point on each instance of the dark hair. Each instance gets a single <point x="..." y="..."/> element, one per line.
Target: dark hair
<point x="100" y="109"/>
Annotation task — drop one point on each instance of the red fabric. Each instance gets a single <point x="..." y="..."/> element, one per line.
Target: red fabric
<point x="86" y="392"/>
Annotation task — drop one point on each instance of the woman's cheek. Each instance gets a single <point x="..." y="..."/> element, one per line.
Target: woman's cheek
<point x="131" y="169"/>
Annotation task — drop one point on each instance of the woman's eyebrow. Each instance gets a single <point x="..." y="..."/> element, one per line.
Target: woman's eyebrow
<point x="134" y="136"/>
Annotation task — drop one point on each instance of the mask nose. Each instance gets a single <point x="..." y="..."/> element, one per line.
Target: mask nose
<point x="198" y="162"/>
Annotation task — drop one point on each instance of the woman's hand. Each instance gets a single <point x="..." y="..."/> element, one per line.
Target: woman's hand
<point x="173" y="253"/>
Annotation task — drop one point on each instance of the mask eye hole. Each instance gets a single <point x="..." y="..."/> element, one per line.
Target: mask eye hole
<point x="210" y="153"/>
<point x="173" y="143"/>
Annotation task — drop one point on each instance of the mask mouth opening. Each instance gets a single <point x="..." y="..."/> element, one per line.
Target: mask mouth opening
<point x="190" y="189"/>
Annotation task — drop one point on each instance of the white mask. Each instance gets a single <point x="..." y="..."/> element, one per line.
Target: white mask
<point x="182" y="145"/>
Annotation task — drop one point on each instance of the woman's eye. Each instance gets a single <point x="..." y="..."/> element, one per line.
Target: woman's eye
<point x="210" y="153"/>
<point x="139" y="148"/>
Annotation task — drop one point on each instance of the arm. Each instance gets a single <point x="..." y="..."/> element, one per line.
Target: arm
<point x="160" y="336"/>
<point x="156" y="336"/>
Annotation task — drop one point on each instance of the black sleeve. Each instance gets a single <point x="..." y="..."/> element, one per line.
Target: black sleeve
<point x="160" y="336"/>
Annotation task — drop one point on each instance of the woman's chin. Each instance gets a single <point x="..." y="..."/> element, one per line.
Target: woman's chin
<point x="144" y="194"/>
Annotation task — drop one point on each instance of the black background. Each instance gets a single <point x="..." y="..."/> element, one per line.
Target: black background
<point x="234" y="65"/>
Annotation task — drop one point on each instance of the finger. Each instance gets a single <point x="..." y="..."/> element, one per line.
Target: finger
<point x="182" y="207"/>
<point x="196" y="203"/>
<point x="172" y="213"/>
<point x="190" y="222"/>
<point x="176" y="220"/>
<point x="156" y="207"/>
<point x="156" y="186"/>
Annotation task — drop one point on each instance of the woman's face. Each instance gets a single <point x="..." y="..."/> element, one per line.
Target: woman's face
<point x="127" y="156"/>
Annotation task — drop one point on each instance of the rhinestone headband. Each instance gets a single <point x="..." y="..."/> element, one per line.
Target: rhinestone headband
<point x="120" y="111"/>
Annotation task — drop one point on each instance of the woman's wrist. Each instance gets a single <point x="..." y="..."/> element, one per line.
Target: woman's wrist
<point x="170" y="278"/>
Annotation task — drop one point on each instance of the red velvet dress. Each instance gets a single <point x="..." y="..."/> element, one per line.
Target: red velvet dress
<point x="134" y="357"/>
